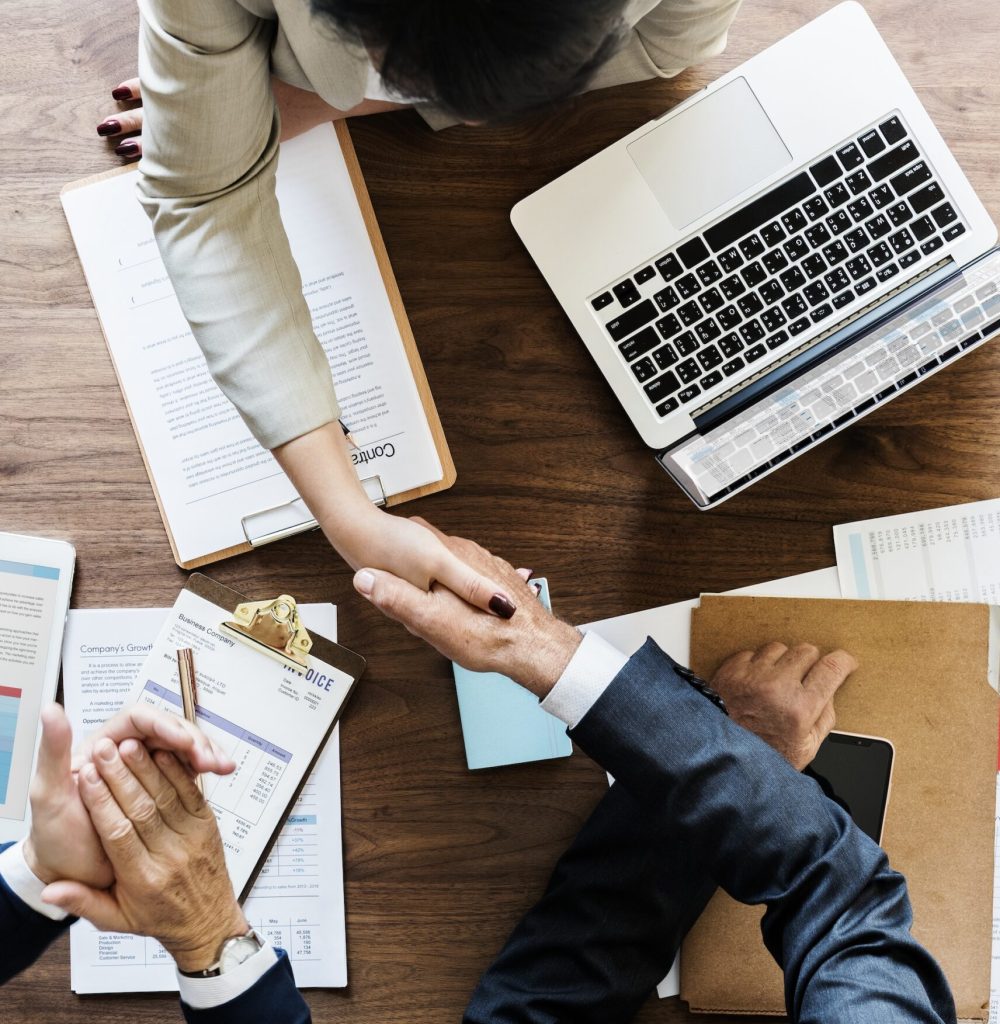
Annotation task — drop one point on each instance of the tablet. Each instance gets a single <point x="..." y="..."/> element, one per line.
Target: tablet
<point x="36" y="576"/>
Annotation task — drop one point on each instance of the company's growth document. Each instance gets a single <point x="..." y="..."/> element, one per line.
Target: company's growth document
<point x="942" y="554"/>
<point x="206" y="468"/>
<point x="297" y="901"/>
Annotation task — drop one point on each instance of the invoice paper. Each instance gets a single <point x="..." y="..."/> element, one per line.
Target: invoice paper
<point x="943" y="554"/>
<point x="670" y="627"/>
<point x="297" y="902"/>
<point x="206" y="467"/>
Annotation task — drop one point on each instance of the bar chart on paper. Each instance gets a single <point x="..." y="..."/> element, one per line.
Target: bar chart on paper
<point x="10" y="703"/>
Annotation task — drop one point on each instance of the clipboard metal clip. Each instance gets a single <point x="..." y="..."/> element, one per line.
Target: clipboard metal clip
<point x="292" y="517"/>
<point x="273" y="628"/>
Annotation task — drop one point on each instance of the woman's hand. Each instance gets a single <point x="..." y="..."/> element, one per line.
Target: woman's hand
<point x="416" y="552"/>
<point x="298" y="109"/>
<point x="124" y="127"/>
<point x="319" y="465"/>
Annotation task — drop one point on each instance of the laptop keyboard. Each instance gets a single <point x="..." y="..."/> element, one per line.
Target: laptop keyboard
<point x="870" y="211"/>
<point x="956" y="316"/>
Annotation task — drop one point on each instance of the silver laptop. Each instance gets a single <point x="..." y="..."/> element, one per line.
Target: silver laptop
<point x="782" y="253"/>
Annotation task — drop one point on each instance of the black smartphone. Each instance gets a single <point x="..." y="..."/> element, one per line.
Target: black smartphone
<point x="856" y="772"/>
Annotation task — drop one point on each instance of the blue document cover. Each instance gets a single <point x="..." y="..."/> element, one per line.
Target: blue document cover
<point x="502" y="723"/>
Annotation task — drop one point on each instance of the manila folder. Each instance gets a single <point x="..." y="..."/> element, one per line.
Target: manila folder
<point x="923" y="685"/>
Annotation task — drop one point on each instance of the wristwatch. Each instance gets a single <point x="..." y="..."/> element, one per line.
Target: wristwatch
<point x="233" y="952"/>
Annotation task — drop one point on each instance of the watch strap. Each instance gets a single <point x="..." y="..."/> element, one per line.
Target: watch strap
<point x="216" y="969"/>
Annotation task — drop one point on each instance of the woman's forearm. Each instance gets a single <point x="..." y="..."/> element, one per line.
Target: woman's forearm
<point x="319" y="466"/>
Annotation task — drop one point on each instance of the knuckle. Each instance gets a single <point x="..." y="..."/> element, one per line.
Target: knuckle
<point x="839" y="663"/>
<point x="474" y="589"/>
<point x="384" y="597"/>
<point x="167" y="800"/>
<point x="121" y="834"/>
<point x="145" y="814"/>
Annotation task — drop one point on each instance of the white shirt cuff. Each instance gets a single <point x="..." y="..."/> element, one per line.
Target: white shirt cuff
<point x="204" y="993"/>
<point x="584" y="679"/>
<point x="25" y="884"/>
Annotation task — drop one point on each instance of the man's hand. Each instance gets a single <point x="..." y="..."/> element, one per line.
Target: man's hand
<point x="161" y="837"/>
<point x="62" y="842"/>
<point x="532" y="648"/>
<point x="785" y="695"/>
<point x="158" y="730"/>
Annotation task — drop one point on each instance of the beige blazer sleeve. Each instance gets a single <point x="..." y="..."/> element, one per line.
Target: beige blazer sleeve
<point x="210" y="150"/>
<point x="674" y="35"/>
<point x="669" y="38"/>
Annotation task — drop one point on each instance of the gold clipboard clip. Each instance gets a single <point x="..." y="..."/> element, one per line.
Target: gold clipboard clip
<point x="274" y="629"/>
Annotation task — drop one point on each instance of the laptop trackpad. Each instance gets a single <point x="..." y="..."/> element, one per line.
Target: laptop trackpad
<point x="711" y="152"/>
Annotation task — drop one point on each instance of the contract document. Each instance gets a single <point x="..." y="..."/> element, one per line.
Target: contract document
<point x="942" y="554"/>
<point x="297" y="902"/>
<point x="218" y="490"/>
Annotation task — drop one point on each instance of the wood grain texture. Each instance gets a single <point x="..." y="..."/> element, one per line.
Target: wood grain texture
<point x="440" y="862"/>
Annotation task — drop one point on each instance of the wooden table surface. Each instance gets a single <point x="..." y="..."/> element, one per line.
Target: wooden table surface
<point x="440" y="863"/>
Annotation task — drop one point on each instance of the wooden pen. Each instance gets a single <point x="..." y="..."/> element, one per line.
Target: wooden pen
<point x="189" y="692"/>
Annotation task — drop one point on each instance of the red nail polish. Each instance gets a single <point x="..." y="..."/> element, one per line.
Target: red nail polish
<point x="109" y="127"/>
<point x="123" y="92"/>
<point x="128" y="149"/>
<point x="502" y="606"/>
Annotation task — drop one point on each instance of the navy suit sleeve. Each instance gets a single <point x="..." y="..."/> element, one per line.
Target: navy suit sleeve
<point x="606" y="930"/>
<point x="24" y="933"/>
<point x="838" y="918"/>
<point x="274" y="998"/>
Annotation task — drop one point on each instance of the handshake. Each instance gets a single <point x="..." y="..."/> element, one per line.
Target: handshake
<point x="121" y="834"/>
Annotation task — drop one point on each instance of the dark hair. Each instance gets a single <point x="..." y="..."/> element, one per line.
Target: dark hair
<point x="483" y="60"/>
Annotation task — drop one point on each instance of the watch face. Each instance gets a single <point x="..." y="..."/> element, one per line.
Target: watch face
<point x="238" y="950"/>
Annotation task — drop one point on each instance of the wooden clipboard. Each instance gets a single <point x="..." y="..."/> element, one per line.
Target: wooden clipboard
<point x="325" y="650"/>
<point x="449" y="474"/>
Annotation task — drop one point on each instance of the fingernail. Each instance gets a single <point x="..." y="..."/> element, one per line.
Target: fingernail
<point x="106" y="750"/>
<point x="128" y="149"/>
<point x="89" y="772"/>
<point x="123" y="92"/>
<point x="502" y="605"/>
<point x="132" y="750"/>
<point x="364" y="582"/>
<point x="109" y="127"/>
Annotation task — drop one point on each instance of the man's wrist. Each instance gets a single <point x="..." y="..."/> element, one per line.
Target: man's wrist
<point x="548" y="654"/>
<point x="202" y="951"/>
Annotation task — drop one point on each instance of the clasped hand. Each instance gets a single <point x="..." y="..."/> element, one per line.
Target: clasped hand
<point x="127" y="840"/>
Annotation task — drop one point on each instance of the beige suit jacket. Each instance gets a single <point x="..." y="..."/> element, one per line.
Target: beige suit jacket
<point x="210" y="150"/>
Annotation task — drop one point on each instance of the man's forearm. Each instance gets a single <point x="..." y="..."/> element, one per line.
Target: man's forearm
<point x="767" y="835"/>
<point x="25" y="933"/>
